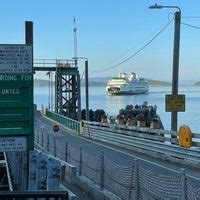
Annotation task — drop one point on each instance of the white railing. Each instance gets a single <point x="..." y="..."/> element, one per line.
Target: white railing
<point x="144" y="140"/>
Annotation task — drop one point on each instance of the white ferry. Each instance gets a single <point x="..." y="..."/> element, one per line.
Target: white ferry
<point x="127" y="85"/>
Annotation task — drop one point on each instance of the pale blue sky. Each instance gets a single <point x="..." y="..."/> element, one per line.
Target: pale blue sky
<point x="107" y="30"/>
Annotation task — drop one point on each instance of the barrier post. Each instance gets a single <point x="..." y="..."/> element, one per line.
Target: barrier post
<point x="41" y="178"/>
<point x="42" y="139"/>
<point x="53" y="174"/>
<point x="47" y="143"/>
<point x="136" y="179"/>
<point x="183" y="186"/>
<point x="32" y="170"/>
<point x="54" y="145"/>
<point x="66" y="151"/>
<point x="80" y="161"/>
<point x="101" y="170"/>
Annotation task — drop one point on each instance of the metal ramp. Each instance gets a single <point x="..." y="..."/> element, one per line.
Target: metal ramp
<point x="5" y="179"/>
<point x="67" y="85"/>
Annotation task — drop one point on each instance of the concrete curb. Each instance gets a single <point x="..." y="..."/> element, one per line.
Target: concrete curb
<point x="71" y="196"/>
<point x="93" y="190"/>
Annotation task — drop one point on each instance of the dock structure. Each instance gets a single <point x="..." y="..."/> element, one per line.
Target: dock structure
<point x="67" y="85"/>
<point x="104" y="160"/>
<point x="94" y="160"/>
<point x="100" y="165"/>
<point x="54" y="154"/>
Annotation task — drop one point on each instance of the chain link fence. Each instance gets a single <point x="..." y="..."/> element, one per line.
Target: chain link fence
<point x="153" y="185"/>
<point x="90" y="166"/>
<point x="118" y="179"/>
<point x="127" y="182"/>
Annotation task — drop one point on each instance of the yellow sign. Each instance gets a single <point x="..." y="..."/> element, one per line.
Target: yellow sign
<point x="175" y="103"/>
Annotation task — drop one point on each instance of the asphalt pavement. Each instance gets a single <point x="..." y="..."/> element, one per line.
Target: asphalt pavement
<point x="119" y="155"/>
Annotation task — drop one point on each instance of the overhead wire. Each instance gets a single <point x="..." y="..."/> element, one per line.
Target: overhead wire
<point x="190" y="25"/>
<point x="194" y="17"/>
<point x="120" y="57"/>
<point x="137" y="52"/>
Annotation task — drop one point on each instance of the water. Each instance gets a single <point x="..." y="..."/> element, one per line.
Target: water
<point x="111" y="104"/>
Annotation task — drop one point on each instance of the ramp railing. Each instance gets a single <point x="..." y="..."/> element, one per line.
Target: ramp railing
<point x="66" y="121"/>
<point x="137" y="181"/>
<point x="154" y="143"/>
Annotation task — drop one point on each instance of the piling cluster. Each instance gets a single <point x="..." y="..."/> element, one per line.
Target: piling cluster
<point x="132" y="115"/>
<point x="96" y="115"/>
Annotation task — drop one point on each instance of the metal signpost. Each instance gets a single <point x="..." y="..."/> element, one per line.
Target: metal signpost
<point x="16" y="97"/>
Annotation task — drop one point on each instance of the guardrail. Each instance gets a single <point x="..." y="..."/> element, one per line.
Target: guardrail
<point x="50" y="63"/>
<point x="151" y="142"/>
<point x="154" y="142"/>
<point x="127" y="182"/>
<point x="68" y="122"/>
<point x="145" y="133"/>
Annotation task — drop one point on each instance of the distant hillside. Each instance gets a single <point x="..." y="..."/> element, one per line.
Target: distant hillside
<point x="158" y="83"/>
<point x="41" y="83"/>
<point x="103" y="81"/>
<point x="100" y="81"/>
<point x="96" y="81"/>
<point x="197" y="83"/>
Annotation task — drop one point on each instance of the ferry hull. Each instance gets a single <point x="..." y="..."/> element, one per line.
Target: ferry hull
<point x="124" y="85"/>
<point x="127" y="92"/>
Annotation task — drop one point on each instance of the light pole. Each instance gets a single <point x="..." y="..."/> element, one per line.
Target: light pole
<point x="175" y="71"/>
<point x="86" y="87"/>
<point x="86" y="91"/>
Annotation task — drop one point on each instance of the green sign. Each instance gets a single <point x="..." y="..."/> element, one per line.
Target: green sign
<point x="175" y="103"/>
<point x="16" y="98"/>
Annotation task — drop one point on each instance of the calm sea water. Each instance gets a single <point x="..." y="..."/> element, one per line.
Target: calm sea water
<point x="156" y="96"/>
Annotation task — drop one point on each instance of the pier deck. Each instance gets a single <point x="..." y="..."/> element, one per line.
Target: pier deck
<point x="118" y="155"/>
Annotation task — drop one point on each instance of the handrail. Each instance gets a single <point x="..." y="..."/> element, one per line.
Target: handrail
<point x="52" y="62"/>
<point x="155" y="148"/>
<point x="144" y="132"/>
<point x="66" y="121"/>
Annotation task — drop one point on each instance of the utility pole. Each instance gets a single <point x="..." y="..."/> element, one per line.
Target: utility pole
<point x="86" y="91"/>
<point x="175" y="71"/>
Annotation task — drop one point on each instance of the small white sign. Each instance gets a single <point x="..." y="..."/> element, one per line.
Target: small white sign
<point x="16" y="59"/>
<point x="13" y="144"/>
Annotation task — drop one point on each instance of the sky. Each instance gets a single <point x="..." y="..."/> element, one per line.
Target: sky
<point x="108" y="32"/>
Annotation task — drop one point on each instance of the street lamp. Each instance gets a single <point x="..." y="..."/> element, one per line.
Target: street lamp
<point x="175" y="71"/>
<point x="156" y="6"/>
